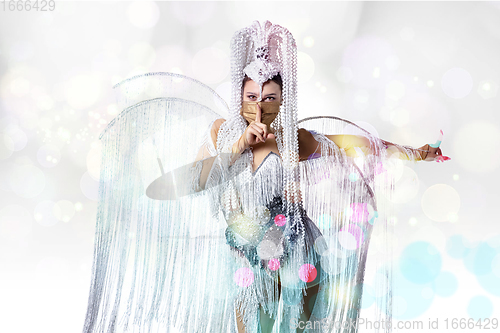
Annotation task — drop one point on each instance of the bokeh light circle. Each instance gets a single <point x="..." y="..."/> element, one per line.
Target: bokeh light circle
<point x="280" y="220"/>
<point x="380" y="281"/>
<point x="420" y="262"/>
<point x="457" y="83"/>
<point x="143" y="14"/>
<point x="487" y="89"/>
<point x="399" y="116"/>
<point x="5" y="152"/>
<point x="353" y="177"/>
<point x="455" y="247"/>
<point x="427" y="293"/>
<point x="446" y="284"/>
<point x="347" y="240"/>
<point x="91" y="84"/>
<point x="308" y="41"/>
<point x="495" y="265"/>
<point x="320" y="246"/>
<point x="400" y="305"/>
<point x="480" y="307"/>
<point x="20" y="86"/>
<point x="305" y="67"/>
<point x="89" y="187"/>
<point x="358" y="212"/>
<point x="331" y="264"/>
<point x="439" y="201"/>
<point x="475" y="146"/>
<point x="141" y="54"/>
<point x="267" y="249"/>
<point x="94" y="162"/>
<point x="414" y="304"/>
<point x="193" y="13"/>
<point x="273" y="264"/>
<point x="244" y="277"/>
<point x="27" y="181"/>
<point x="65" y="210"/>
<point x="356" y="231"/>
<point x="210" y="65"/>
<point x="479" y="260"/>
<point x="45" y="213"/>
<point x="15" y="139"/>
<point x="22" y="50"/>
<point x="325" y="221"/>
<point x="372" y="214"/>
<point x="344" y="74"/>
<point x="48" y="155"/>
<point x="406" y="187"/>
<point x="368" y="295"/>
<point x="15" y="223"/>
<point x="395" y="90"/>
<point x="365" y="56"/>
<point x="308" y="273"/>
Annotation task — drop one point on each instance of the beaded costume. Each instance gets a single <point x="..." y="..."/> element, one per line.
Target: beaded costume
<point x="220" y="236"/>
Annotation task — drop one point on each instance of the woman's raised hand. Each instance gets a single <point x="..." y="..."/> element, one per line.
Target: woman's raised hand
<point x="256" y="131"/>
<point x="432" y="152"/>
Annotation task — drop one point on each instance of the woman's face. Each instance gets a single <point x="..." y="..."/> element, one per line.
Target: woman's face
<point x="270" y="91"/>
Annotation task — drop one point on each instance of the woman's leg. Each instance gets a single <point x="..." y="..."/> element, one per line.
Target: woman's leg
<point x="266" y="322"/>
<point x="307" y="307"/>
<point x="239" y="321"/>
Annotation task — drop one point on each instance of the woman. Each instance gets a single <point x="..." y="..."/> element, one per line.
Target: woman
<point x="259" y="136"/>
<point x="293" y="210"/>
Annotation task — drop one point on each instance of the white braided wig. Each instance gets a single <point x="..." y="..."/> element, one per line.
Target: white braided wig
<point x="261" y="51"/>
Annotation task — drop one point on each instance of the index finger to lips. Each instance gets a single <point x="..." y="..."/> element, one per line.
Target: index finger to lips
<point x="262" y="126"/>
<point x="258" y="115"/>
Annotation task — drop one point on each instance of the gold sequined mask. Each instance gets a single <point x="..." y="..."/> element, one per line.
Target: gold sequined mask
<point x="269" y="111"/>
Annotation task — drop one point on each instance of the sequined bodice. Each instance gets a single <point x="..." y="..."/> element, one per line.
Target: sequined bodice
<point x="266" y="181"/>
<point x="271" y="155"/>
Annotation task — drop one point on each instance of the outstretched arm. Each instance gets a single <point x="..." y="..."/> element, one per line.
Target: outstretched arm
<point x="355" y="144"/>
<point x="351" y="143"/>
<point x="424" y="153"/>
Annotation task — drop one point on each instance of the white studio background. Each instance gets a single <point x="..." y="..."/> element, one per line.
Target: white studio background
<point x="402" y="69"/>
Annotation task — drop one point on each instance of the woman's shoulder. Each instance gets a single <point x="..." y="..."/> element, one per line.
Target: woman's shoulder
<point x="217" y="123"/>
<point x="304" y="135"/>
<point x="307" y="144"/>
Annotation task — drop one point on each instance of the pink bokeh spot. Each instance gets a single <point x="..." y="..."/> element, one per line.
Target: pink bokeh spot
<point x="280" y="220"/>
<point x="307" y="273"/>
<point x="243" y="277"/>
<point x="359" y="212"/>
<point x="357" y="232"/>
<point x="379" y="169"/>
<point x="274" y="264"/>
